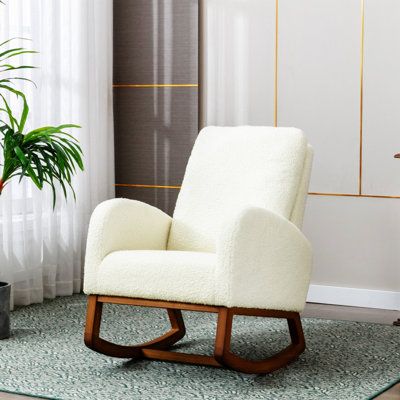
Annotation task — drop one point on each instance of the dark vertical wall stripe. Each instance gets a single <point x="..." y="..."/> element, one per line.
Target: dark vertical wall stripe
<point x="156" y="130"/>
<point x="155" y="42"/>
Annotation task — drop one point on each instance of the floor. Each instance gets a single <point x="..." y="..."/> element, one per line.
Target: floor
<point x="327" y="312"/>
<point x="391" y="394"/>
<point x="356" y="314"/>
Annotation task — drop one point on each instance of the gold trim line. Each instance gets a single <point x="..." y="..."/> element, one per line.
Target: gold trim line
<point x="360" y="175"/>
<point x="374" y="196"/>
<point x="154" y="85"/>
<point x="276" y="64"/>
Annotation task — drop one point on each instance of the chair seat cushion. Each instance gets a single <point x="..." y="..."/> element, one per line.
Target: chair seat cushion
<point x="182" y="276"/>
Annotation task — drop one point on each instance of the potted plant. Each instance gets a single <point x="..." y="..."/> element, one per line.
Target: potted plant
<point x="5" y="291"/>
<point x="46" y="155"/>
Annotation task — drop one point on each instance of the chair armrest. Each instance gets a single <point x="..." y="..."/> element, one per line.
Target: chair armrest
<point x="122" y="224"/>
<point x="264" y="261"/>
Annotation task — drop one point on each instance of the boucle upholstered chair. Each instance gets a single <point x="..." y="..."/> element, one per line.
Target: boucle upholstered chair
<point x="233" y="246"/>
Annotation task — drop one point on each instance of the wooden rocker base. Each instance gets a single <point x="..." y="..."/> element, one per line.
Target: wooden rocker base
<point x="157" y="349"/>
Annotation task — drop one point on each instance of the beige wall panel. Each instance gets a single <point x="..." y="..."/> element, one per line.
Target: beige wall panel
<point x="355" y="241"/>
<point x="381" y="172"/>
<point x="239" y="62"/>
<point x="319" y="85"/>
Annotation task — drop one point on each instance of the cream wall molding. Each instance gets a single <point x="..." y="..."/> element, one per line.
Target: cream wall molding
<point x="355" y="297"/>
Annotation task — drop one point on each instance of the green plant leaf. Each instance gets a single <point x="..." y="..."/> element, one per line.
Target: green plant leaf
<point x="25" y="108"/>
<point x="12" y="119"/>
<point x="26" y="167"/>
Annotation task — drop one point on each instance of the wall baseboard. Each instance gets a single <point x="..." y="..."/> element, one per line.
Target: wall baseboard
<point x="345" y="296"/>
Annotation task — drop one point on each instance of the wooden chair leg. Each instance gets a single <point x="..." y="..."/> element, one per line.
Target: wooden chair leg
<point x="224" y="356"/>
<point x="93" y="340"/>
<point x="223" y="335"/>
<point x="296" y="332"/>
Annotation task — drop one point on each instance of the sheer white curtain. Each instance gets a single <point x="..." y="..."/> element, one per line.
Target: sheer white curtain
<point x="238" y="64"/>
<point x="41" y="249"/>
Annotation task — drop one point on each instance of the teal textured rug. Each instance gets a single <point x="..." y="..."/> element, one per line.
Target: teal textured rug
<point x="46" y="357"/>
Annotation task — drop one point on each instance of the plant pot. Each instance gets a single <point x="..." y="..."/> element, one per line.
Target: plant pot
<point x="5" y="293"/>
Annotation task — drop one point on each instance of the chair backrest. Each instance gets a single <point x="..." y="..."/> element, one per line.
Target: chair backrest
<point x="231" y="168"/>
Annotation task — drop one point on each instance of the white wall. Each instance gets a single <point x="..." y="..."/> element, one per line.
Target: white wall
<point x="353" y="212"/>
